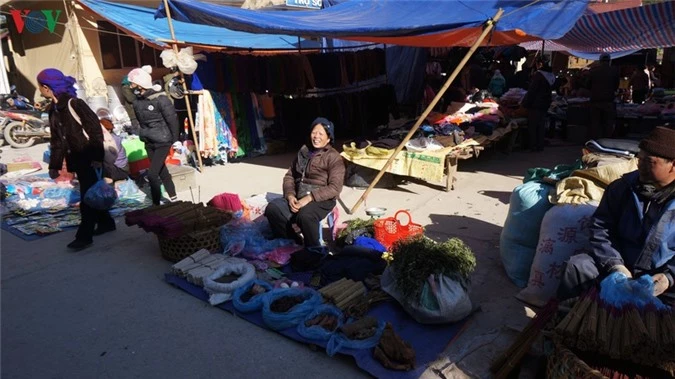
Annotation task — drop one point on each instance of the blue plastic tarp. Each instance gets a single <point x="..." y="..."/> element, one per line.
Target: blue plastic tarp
<point x="371" y="20"/>
<point x="141" y="22"/>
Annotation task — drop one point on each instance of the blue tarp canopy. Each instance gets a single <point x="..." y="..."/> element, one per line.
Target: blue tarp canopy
<point x="140" y="21"/>
<point x="403" y="22"/>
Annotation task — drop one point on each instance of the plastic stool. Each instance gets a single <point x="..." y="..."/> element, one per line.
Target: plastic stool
<point x="331" y="220"/>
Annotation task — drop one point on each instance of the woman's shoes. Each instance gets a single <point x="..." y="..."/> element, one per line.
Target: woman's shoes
<point x="79" y="245"/>
<point x="104" y="229"/>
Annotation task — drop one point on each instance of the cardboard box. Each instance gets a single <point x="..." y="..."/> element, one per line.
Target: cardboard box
<point x="184" y="177"/>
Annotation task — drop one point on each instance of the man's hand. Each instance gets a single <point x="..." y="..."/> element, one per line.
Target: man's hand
<point x="622" y="269"/>
<point x="660" y="284"/>
<point x="95" y="164"/>
<point x="293" y="203"/>
<point x="53" y="173"/>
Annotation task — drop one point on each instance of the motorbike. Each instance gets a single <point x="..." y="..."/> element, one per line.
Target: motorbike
<point x="23" y="129"/>
<point x="22" y="123"/>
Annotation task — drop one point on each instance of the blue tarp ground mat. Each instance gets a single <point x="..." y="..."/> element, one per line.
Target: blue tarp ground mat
<point x="429" y="341"/>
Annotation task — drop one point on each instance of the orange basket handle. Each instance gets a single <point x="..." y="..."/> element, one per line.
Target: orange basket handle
<point x="406" y="213"/>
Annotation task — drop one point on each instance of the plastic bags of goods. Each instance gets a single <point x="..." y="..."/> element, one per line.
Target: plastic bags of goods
<point x="226" y="279"/>
<point x="287" y="307"/>
<point x="518" y="241"/>
<point x="564" y="232"/>
<point x="101" y="195"/>
<point x="321" y="323"/>
<point x="362" y="334"/>
<point x="249" y="297"/>
<point x="619" y="291"/>
<point x="128" y="193"/>
<point x="250" y="239"/>
<point x="254" y="206"/>
<point x="430" y="280"/>
<point x="36" y="193"/>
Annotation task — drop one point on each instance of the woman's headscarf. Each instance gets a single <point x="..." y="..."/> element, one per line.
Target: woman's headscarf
<point x="58" y="82"/>
<point x="327" y="126"/>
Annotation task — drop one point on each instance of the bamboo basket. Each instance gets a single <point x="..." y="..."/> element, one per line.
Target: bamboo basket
<point x="176" y="249"/>
<point x="564" y="364"/>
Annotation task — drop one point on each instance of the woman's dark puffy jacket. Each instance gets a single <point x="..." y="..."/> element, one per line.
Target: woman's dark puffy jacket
<point x="67" y="139"/>
<point x="157" y="118"/>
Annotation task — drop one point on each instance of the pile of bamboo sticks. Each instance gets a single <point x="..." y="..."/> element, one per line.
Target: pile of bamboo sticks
<point x="198" y="266"/>
<point x="645" y="337"/>
<point x="177" y="219"/>
<point x="344" y="293"/>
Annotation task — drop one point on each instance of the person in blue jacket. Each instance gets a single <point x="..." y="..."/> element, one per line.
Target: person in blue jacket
<point x="633" y="229"/>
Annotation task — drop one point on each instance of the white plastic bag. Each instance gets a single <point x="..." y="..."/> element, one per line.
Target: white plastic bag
<point x="184" y="60"/>
<point x="443" y="300"/>
<point x="222" y="292"/>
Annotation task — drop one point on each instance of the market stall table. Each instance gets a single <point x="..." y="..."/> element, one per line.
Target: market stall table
<point x="433" y="166"/>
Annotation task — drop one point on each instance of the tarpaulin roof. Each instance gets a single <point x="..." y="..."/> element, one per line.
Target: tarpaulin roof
<point x="648" y="26"/>
<point x="431" y="23"/>
<point x="141" y="22"/>
<point x="554" y="46"/>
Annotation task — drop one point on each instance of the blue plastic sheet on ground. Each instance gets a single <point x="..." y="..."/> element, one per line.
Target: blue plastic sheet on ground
<point x="279" y="321"/>
<point x="255" y="303"/>
<point x="617" y="290"/>
<point x="428" y="340"/>
<point x="318" y="333"/>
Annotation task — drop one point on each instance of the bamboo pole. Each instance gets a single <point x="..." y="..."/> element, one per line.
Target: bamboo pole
<point x="488" y="27"/>
<point x="185" y="89"/>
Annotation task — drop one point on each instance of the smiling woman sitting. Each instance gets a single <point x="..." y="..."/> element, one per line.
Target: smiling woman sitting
<point x="311" y="187"/>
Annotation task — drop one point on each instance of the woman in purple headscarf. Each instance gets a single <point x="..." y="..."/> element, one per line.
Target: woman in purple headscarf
<point x="76" y="136"/>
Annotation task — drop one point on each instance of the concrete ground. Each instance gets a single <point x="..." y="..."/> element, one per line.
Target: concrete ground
<point x="106" y="312"/>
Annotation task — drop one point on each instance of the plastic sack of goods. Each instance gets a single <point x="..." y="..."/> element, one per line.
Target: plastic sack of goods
<point x="249" y="297"/>
<point x="217" y="285"/>
<point x="564" y="232"/>
<point x="321" y="323"/>
<point x="518" y="241"/>
<point x="287" y="307"/>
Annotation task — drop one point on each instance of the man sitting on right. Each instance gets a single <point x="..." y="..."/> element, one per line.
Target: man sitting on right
<point x="633" y="229"/>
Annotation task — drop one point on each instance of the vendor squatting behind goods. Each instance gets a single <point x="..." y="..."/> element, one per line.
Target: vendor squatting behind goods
<point x="633" y="229"/>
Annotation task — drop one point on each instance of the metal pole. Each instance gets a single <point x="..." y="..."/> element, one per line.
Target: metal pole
<point x="185" y="89"/>
<point x="489" y="25"/>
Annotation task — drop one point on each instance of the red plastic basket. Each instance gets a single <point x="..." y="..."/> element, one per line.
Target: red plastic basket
<point x="389" y="230"/>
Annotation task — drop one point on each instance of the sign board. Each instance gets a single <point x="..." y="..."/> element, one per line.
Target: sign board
<point x="311" y="4"/>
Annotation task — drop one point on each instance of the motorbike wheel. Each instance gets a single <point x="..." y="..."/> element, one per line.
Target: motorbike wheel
<point x="14" y="141"/>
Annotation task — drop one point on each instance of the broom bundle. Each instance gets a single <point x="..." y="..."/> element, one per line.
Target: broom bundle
<point x="643" y="336"/>
<point x="176" y="219"/>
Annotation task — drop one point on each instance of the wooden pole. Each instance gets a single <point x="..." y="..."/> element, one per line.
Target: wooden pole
<point x="489" y="25"/>
<point x="185" y="90"/>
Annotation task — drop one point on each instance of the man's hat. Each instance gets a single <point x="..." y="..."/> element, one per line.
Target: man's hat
<point x="660" y="142"/>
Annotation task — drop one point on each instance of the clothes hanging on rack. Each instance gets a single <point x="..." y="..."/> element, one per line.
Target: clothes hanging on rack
<point x="215" y="137"/>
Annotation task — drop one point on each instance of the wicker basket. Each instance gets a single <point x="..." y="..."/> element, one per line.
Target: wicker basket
<point x="564" y="364"/>
<point x="176" y="249"/>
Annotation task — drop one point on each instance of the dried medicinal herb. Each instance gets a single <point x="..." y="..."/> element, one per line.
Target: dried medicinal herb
<point x="418" y="257"/>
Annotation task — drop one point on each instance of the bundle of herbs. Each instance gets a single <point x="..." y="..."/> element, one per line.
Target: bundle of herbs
<point x="355" y="228"/>
<point x="418" y="257"/>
